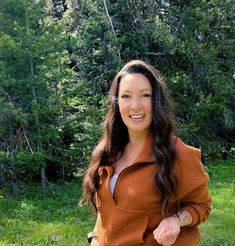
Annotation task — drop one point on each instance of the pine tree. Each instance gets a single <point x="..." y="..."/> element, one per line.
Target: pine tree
<point x="33" y="70"/>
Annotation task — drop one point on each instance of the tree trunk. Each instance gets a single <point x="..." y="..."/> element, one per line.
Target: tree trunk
<point x="37" y="123"/>
<point x="12" y="175"/>
<point x="2" y="173"/>
<point x="111" y="24"/>
<point x="39" y="144"/>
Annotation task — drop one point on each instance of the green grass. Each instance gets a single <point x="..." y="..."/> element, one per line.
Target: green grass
<point x="58" y="219"/>
<point x="54" y="220"/>
<point x="219" y="230"/>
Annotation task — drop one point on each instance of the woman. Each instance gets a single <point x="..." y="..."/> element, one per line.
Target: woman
<point x="148" y="186"/>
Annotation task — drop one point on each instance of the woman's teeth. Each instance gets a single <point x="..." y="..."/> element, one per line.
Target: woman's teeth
<point x="136" y="116"/>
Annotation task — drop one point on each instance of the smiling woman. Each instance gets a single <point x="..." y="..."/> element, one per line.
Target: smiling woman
<point x="148" y="186"/>
<point x="134" y="102"/>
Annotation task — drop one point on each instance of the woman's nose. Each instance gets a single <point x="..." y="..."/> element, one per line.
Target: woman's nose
<point x="135" y="103"/>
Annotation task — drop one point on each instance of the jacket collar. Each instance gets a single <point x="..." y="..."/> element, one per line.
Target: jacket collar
<point x="145" y="155"/>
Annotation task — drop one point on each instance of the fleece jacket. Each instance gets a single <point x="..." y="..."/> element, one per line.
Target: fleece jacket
<point x="133" y="212"/>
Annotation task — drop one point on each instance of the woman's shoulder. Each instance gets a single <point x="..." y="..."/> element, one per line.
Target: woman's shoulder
<point x="188" y="168"/>
<point x="184" y="150"/>
<point x="188" y="158"/>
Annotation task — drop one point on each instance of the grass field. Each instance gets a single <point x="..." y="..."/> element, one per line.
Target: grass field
<point x="219" y="230"/>
<point x="58" y="220"/>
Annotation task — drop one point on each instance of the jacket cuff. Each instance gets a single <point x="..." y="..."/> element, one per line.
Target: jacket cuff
<point x="90" y="235"/>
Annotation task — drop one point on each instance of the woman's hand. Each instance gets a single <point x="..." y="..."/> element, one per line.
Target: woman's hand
<point x="94" y="241"/>
<point x="167" y="231"/>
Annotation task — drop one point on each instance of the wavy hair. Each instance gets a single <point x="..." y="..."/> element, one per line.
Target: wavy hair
<point x="115" y="136"/>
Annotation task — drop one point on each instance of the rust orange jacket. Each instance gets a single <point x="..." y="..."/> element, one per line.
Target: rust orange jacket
<point x="130" y="216"/>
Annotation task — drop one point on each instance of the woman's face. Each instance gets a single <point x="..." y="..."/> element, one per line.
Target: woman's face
<point x="135" y="102"/>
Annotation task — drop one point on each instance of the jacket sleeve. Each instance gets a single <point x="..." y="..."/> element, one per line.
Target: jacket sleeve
<point x="192" y="191"/>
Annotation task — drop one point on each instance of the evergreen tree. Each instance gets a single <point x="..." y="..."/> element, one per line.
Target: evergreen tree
<point x="33" y="70"/>
<point x="190" y="42"/>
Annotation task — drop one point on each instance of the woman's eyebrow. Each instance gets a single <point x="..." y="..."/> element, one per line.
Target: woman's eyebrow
<point x="126" y="91"/>
<point x="147" y="89"/>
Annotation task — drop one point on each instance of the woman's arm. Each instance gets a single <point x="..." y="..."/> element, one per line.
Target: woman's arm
<point x="184" y="218"/>
<point x="195" y="208"/>
<point x="197" y="203"/>
<point x="192" y="190"/>
<point x="94" y="241"/>
<point x="168" y="230"/>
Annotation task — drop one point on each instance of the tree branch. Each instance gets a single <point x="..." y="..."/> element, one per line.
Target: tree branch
<point x="157" y="54"/>
<point x="111" y="24"/>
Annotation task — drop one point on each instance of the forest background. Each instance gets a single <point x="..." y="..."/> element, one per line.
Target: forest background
<point x="58" y="58"/>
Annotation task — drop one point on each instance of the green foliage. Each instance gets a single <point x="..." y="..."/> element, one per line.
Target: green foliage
<point x="26" y="161"/>
<point x="57" y="60"/>
<point x="33" y="68"/>
<point x="96" y="53"/>
<point x="181" y="40"/>
<point x="3" y="161"/>
<point x="81" y="130"/>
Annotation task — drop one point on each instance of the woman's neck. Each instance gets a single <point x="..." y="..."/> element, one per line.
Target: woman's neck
<point x="131" y="151"/>
<point x="136" y="140"/>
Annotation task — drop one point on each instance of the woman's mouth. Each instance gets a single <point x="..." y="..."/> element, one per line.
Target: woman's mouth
<point x="136" y="116"/>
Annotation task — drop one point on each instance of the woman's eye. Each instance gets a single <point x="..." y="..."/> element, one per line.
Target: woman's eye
<point x="146" y="95"/>
<point x="125" y="96"/>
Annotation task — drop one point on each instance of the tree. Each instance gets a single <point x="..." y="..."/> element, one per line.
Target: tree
<point x="57" y="60"/>
<point x="183" y="40"/>
<point x="34" y="68"/>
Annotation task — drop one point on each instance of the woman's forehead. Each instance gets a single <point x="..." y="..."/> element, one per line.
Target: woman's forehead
<point x="134" y="82"/>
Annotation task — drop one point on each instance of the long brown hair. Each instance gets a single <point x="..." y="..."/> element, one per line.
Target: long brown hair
<point x="115" y="136"/>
